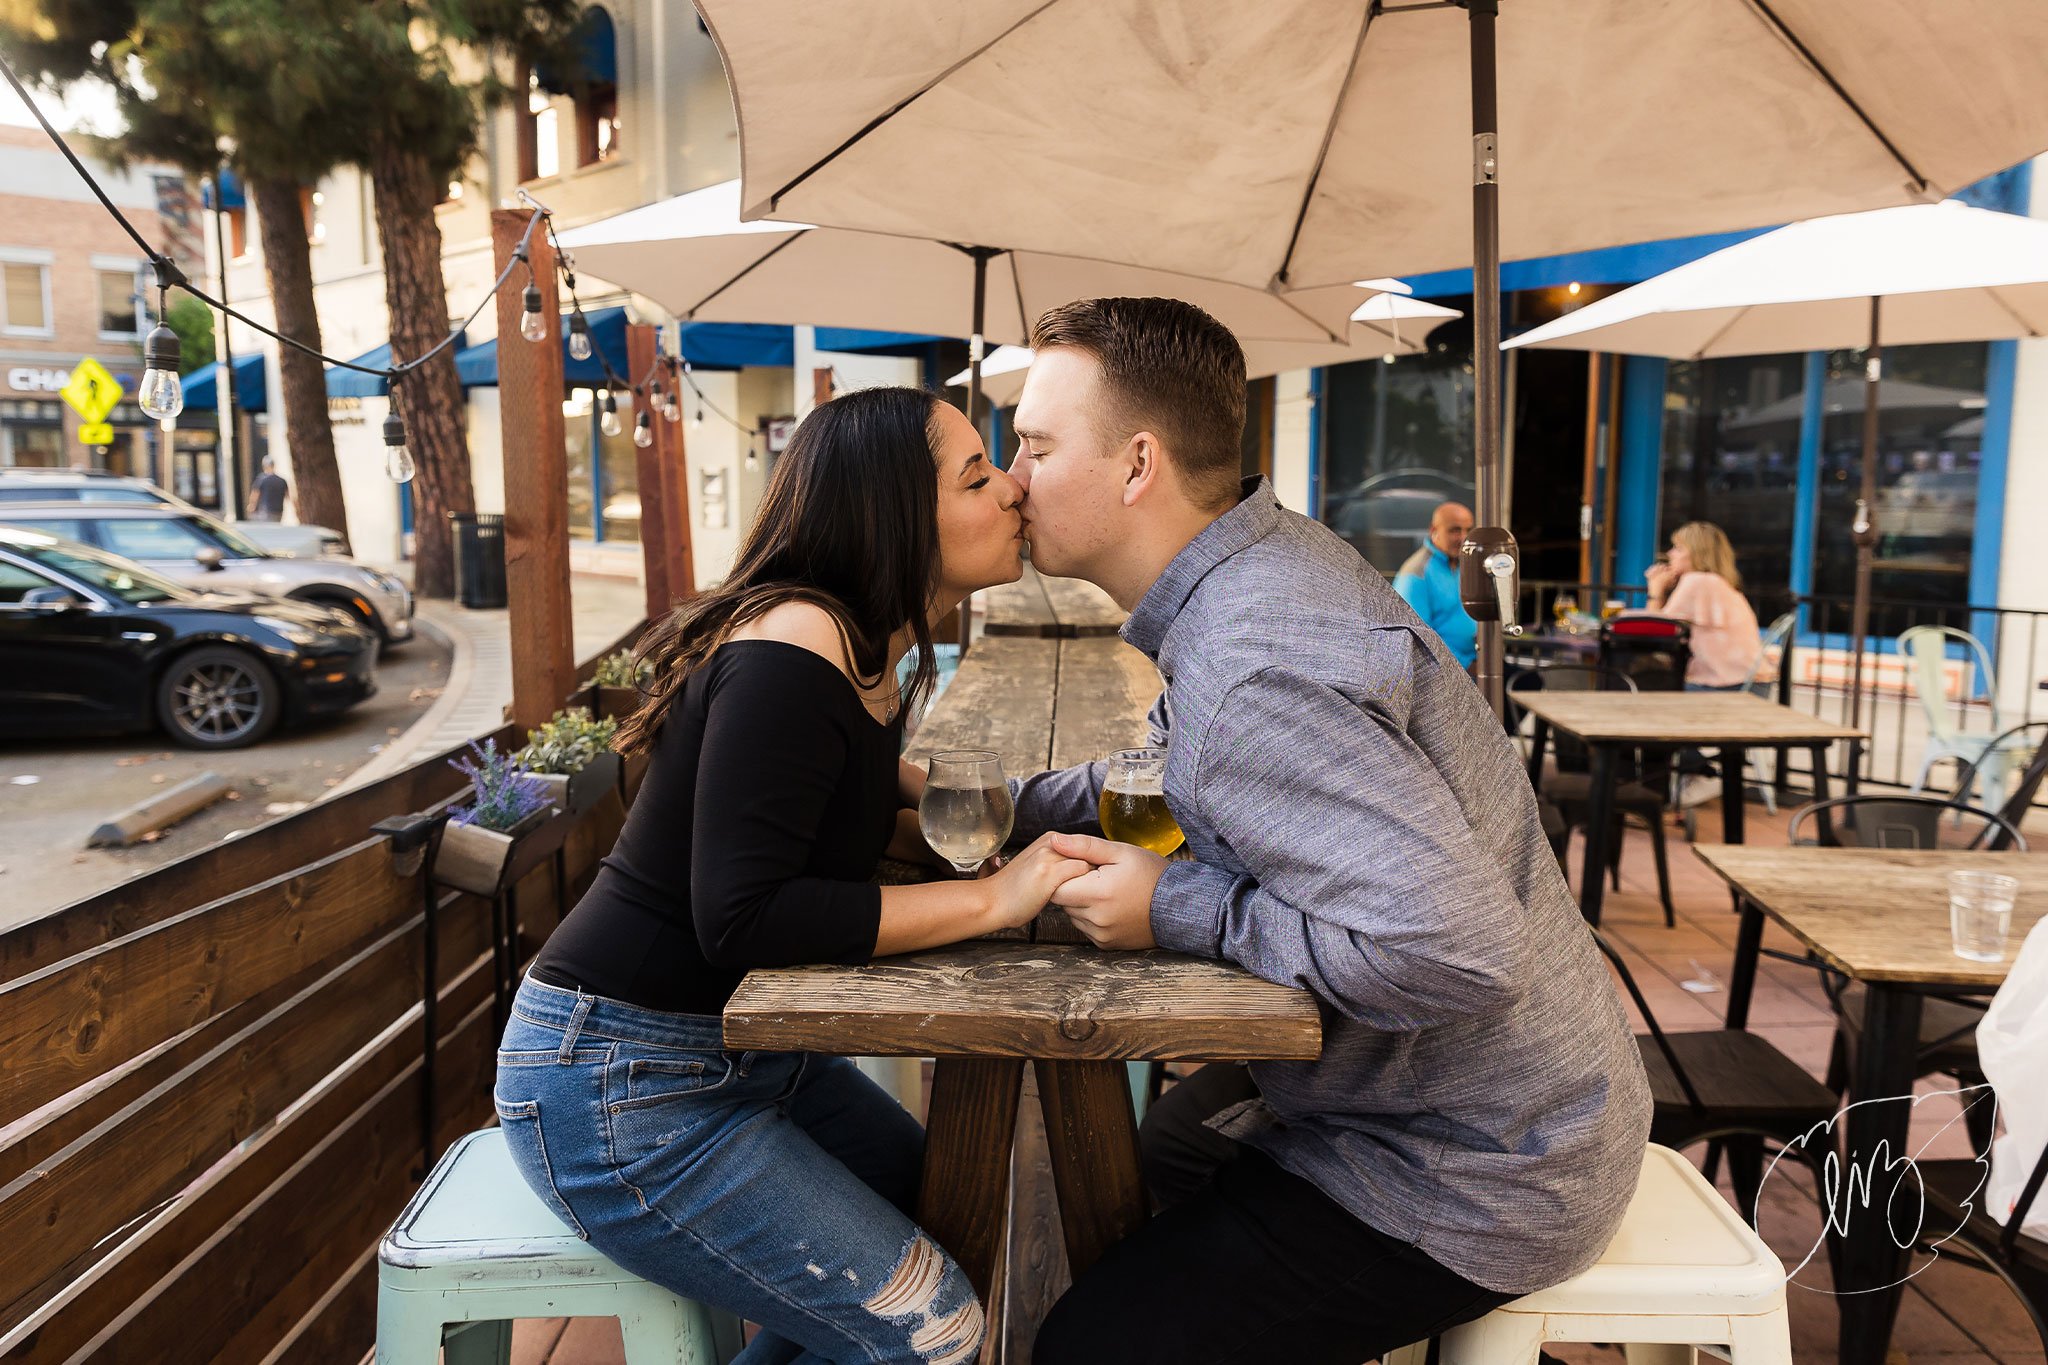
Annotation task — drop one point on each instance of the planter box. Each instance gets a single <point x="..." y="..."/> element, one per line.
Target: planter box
<point x="577" y="792"/>
<point x="472" y="858"/>
<point x="615" y="701"/>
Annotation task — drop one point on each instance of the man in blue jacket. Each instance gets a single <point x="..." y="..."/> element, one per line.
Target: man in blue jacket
<point x="1428" y="582"/>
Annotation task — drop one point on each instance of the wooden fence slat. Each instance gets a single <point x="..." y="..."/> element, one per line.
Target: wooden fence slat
<point x="78" y="1019"/>
<point x="271" y="850"/>
<point x="153" y="1264"/>
<point x="65" y="1207"/>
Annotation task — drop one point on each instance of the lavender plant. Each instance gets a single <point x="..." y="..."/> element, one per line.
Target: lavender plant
<point x="502" y="791"/>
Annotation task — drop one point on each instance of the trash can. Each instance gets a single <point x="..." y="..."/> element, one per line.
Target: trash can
<point x="479" y="558"/>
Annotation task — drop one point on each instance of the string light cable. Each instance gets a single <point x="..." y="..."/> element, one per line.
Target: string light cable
<point x="161" y="393"/>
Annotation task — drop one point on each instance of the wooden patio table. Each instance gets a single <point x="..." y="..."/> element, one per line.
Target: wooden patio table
<point x="1730" y="722"/>
<point x="982" y="1010"/>
<point x="1879" y="916"/>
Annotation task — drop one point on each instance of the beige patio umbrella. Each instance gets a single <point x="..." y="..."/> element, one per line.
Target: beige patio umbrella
<point x="1900" y="276"/>
<point x="1383" y="326"/>
<point x="1300" y="143"/>
<point x="694" y="256"/>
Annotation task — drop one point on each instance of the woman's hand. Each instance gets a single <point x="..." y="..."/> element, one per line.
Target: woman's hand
<point x="907" y="844"/>
<point x="1662" y="578"/>
<point x="1025" y="884"/>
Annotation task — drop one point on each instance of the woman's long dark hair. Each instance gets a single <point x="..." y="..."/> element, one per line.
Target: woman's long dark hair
<point x="849" y="522"/>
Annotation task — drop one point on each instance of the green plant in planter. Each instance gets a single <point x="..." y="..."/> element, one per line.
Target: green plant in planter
<point x="502" y="791"/>
<point x="568" y="742"/>
<point x="621" y="669"/>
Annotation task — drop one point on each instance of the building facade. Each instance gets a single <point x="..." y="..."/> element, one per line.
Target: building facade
<point x="77" y="287"/>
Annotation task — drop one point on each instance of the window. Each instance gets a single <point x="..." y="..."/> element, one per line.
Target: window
<point x="1731" y="456"/>
<point x="597" y="125"/>
<point x="119" y="316"/>
<point x="311" y="201"/>
<point x="547" y="149"/>
<point x="66" y="528"/>
<point x="154" y="538"/>
<point x="17" y="582"/>
<point x="27" y="297"/>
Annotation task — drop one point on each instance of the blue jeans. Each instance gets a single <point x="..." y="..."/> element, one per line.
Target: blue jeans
<point x="774" y="1185"/>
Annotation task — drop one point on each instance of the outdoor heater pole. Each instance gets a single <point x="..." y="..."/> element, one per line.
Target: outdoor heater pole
<point x="227" y="444"/>
<point x="1488" y="572"/>
<point x="1864" y="528"/>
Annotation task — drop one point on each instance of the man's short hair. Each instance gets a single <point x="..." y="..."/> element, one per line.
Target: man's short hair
<point x="1168" y="368"/>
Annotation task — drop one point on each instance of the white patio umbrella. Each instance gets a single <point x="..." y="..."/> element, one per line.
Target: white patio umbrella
<point x="692" y="255"/>
<point x="1385" y="325"/>
<point x="1901" y="276"/>
<point x="1300" y="143"/>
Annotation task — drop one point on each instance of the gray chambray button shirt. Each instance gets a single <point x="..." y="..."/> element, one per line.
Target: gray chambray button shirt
<point x="1363" y="828"/>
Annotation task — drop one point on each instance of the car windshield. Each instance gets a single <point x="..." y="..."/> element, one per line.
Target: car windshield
<point x="231" y="540"/>
<point x="116" y="577"/>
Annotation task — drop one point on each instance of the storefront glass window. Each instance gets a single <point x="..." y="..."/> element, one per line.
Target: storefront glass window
<point x="1731" y="456"/>
<point x="621" y="487"/>
<point x="1929" y="447"/>
<point x="1397" y="440"/>
<point x="36" y="447"/>
<point x="579" y="425"/>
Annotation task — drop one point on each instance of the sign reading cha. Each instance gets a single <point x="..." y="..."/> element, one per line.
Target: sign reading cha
<point x="31" y="379"/>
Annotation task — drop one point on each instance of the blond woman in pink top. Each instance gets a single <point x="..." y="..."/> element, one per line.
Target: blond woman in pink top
<point x="1697" y="583"/>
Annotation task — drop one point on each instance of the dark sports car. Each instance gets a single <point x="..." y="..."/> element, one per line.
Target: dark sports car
<point x="91" y="643"/>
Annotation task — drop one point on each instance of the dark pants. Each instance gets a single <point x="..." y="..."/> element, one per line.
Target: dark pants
<point x="1246" y="1263"/>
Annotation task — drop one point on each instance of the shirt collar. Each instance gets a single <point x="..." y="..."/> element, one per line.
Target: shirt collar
<point x="1437" y="553"/>
<point x="1243" y="526"/>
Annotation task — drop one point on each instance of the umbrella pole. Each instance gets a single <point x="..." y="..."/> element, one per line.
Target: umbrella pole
<point x="1864" y="528"/>
<point x="975" y="346"/>
<point x="1488" y="569"/>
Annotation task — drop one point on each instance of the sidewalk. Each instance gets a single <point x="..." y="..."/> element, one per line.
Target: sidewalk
<point x="479" y="683"/>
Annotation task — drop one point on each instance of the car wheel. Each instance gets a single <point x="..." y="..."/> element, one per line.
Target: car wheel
<point x="218" y="697"/>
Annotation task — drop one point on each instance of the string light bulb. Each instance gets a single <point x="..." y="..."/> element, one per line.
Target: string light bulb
<point x="643" y="430"/>
<point x="533" y="324"/>
<point x="608" y="406"/>
<point x="397" y="459"/>
<point x="697" y="421"/>
<point x="161" y="395"/>
<point x="753" y="457"/>
<point x="579" y="335"/>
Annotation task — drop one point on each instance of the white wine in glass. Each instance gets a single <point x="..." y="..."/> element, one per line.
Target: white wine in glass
<point x="1133" y="809"/>
<point x="966" y="813"/>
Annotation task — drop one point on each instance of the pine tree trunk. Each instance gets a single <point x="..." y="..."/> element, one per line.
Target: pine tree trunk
<point x="308" y="435"/>
<point x="429" y="398"/>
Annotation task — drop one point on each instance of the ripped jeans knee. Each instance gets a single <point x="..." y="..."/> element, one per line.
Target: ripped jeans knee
<point x="927" y="1294"/>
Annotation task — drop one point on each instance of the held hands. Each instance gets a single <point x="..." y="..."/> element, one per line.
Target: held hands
<point x="1111" y="902"/>
<point x="1027" y="882"/>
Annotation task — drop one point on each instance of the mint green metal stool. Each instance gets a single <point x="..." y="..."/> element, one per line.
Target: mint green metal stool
<point x="475" y="1249"/>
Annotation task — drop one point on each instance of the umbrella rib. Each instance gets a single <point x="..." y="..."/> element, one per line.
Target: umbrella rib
<point x="1784" y="31"/>
<point x="751" y="267"/>
<point x="1721" y="331"/>
<point x="878" y="120"/>
<point x="2014" y="313"/>
<point x="1315" y="174"/>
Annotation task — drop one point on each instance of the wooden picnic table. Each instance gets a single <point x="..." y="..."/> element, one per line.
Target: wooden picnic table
<point x="1730" y="722"/>
<point x="1055" y="608"/>
<point x="999" y="1173"/>
<point x="1879" y="916"/>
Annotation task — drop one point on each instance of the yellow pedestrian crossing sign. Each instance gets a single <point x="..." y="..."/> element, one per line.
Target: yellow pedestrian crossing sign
<point x="96" y="434"/>
<point x="92" y="392"/>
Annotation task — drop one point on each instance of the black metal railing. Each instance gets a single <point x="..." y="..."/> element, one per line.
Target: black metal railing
<point x="1816" y="671"/>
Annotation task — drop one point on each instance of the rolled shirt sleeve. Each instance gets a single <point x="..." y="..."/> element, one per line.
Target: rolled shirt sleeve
<point x="1361" y="879"/>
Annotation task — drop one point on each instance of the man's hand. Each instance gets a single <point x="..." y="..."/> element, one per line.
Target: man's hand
<point x="1113" y="904"/>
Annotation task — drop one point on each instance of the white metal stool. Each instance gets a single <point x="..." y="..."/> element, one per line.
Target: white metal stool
<point x="1683" y="1271"/>
<point x="476" y="1247"/>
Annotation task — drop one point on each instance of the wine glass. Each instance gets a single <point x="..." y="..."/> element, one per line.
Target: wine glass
<point x="966" y="813"/>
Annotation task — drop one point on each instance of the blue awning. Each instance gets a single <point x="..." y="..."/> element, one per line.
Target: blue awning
<point x="596" y="61"/>
<point x="343" y="383"/>
<point x="251" y="390"/>
<point x="231" y="195"/>
<point x="876" y="343"/>
<point x="1610" y="265"/>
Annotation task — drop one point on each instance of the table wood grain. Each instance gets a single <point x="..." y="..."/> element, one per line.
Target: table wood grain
<point x="1064" y="608"/>
<point x="1055" y="1001"/>
<point x="1702" y="718"/>
<point x="1877" y="914"/>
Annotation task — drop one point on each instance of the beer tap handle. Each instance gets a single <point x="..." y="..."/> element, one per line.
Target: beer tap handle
<point x="1489" y="577"/>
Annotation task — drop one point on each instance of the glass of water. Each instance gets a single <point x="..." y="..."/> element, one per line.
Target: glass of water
<point x="1980" y="913"/>
<point x="966" y="813"/>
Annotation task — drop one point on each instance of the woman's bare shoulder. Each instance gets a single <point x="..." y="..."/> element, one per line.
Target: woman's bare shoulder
<point x="803" y="624"/>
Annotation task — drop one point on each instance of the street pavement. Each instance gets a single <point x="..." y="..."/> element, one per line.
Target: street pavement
<point x="448" y="684"/>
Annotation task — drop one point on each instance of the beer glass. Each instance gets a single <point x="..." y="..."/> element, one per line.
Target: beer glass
<point x="1562" y="606"/>
<point x="966" y="813"/>
<point x="1133" y="807"/>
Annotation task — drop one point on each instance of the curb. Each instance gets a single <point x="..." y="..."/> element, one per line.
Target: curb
<point x="401" y="750"/>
